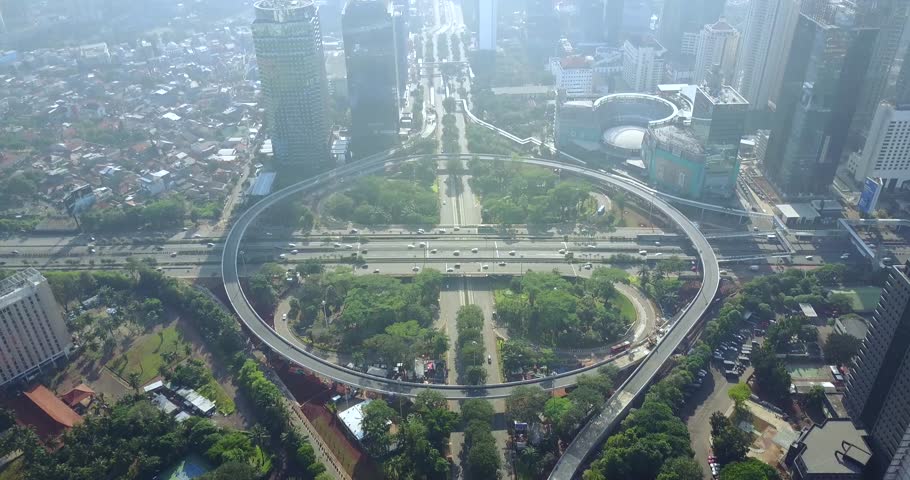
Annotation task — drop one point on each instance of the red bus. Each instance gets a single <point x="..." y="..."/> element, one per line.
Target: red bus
<point x="620" y="347"/>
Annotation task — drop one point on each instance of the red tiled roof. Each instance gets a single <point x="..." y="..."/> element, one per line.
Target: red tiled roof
<point x="77" y="395"/>
<point x="40" y="408"/>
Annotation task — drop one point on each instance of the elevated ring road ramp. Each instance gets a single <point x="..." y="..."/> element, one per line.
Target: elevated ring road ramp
<point x="597" y="429"/>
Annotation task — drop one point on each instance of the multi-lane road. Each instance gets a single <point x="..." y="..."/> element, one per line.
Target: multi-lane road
<point x="595" y="431"/>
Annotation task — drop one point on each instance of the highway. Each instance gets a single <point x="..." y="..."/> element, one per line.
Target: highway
<point x="269" y="337"/>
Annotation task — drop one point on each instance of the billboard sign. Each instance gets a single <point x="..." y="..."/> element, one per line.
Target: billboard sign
<point x="868" y="200"/>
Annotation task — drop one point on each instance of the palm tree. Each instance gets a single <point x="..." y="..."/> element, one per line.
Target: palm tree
<point x="644" y="275"/>
<point x="258" y="435"/>
<point x="620" y="200"/>
<point x="133" y="380"/>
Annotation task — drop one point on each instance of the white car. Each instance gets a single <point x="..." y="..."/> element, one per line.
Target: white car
<point x="809" y="257"/>
<point x="642" y="252"/>
<point x="421" y="231"/>
<point x="562" y="251"/>
<point x="588" y="266"/>
<point x="336" y="245"/>
<point x="173" y="254"/>
<point x="422" y="245"/>
<point x="512" y="253"/>
<point x="376" y="271"/>
<point x="845" y="256"/>
<point x="410" y="246"/>
<point x="292" y="245"/>
<point x="415" y="268"/>
<point x="474" y="250"/>
<point x="433" y="250"/>
<point x="456" y="228"/>
<point x="284" y="316"/>
<point x="282" y="256"/>
<point x="196" y="235"/>
<point x="450" y="270"/>
<point x="456" y="253"/>
<point x="210" y="245"/>
<point x="294" y="252"/>
<point x="502" y="264"/>
<point x="442" y="230"/>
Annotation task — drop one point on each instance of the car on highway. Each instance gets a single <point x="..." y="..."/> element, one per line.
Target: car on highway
<point x="421" y="231"/>
<point x="92" y="250"/>
<point x="474" y="250"/>
<point x="450" y="270"/>
<point x="562" y="251"/>
<point x="284" y="316"/>
<point x="15" y="252"/>
<point x="809" y="257"/>
<point x="410" y="246"/>
<point x="845" y="256"/>
<point x="433" y="250"/>
<point x="294" y="252"/>
<point x="364" y="251"/>
<point x="457" y="265"/>
<point x="643" y="252"/>
<point x="282" y="256"/>
<point x="512" y="253"/>
<point x="336" y="245"/>
<point x="489" y="359"/>
<point x="422" y="244"/>
<point x="415" y="268"/>
<point x="173" y="254"/>
<point x="502" y="264"/>
<point x="588" y="266"/>
<point x="354" y="231"/>
<point x="456" y="228"/>
<point x="210" y="244"/>
<point x="376" y="270"/>
<point x="349" y="246"/>
<point x="292" y="245"/>
<point x="456" y="253"/>
<point x="159" y="247"/>
<point x="485" y="266"/>
<point x="442" y="230"/>
<point x="196" y="235"/>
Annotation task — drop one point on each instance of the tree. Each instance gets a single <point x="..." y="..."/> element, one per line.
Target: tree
<point x="477" y="409"/>
<point x="555" y="408"/>
<point x="771" y="376"/>
<point x="739" y="393"/>
<point x="750" y="469"/>
<point x="431" y="409"/>
<point x="680" y="468"/>
<point x="377" y="416"/>
<point x="233" y="470"/>
<point x="816" y="396"/>
<point x="840" y="348"/>
<point x="730" y="443"/>
<point x="526" y="403"/>
<point x="620" y="200"/>
<point x="483" y="460"/>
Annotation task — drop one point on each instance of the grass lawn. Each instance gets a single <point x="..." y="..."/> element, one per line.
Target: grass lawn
<point x="626" y="309"/>
<point x="15" y="470"/>
<point x="864" y="299"/>
<point x="146" y="355"/>
<point x="223" y="401"/>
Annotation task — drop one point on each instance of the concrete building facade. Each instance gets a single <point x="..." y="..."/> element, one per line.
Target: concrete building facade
<point x="487" y="15"/>
<point x="574" y="75"/>
<point x="371" y="57"/>
<point x="33" y="333"/>
<point x="291" y="62"/>
<point x="643" y="63"/>
<point x="886" y="151"/>
<point x="716" y="51"/>
<point x="825" y="68"/>
<point x="878" y="385"/>
<point x="766" y="40"/>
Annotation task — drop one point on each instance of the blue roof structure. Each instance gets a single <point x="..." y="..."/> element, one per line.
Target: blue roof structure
<point x="262" y="186"/>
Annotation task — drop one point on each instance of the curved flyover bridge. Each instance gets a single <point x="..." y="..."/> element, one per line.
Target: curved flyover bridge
<point x="597" y="429"/>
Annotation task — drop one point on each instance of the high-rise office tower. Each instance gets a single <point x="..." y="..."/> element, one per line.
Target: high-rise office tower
<point x="291" y="63"/>
<point x="765" y="43"/>
<point x="33" y="333"/>
<point x="891" y="18"/>
<point x="885" y="154"/>
<point x="719" y="114"/>
<point x="487" y="13"/>
<point x="825" y="68"/>
<point x="643" y="63"/>
<point x="371" y="58"/>
<point x="591" y="16"/>
<point x="716" y="51"/>
<point x="402" y="24"/>
<point x="612" y="21"/>
<point x="681" y="17"/>
<point x="878" y="385"/>
<point x="541" y="28"/>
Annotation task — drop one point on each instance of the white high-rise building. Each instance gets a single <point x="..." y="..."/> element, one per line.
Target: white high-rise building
<point x="763" y="50"/>
<point x="32" y="330"/>
<point x="574" y="75"/>
<point x="717" y="44"/>
<point x="643" y="63"/>
<point x="886" y="153"/>
<point x="486" y="29"/>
